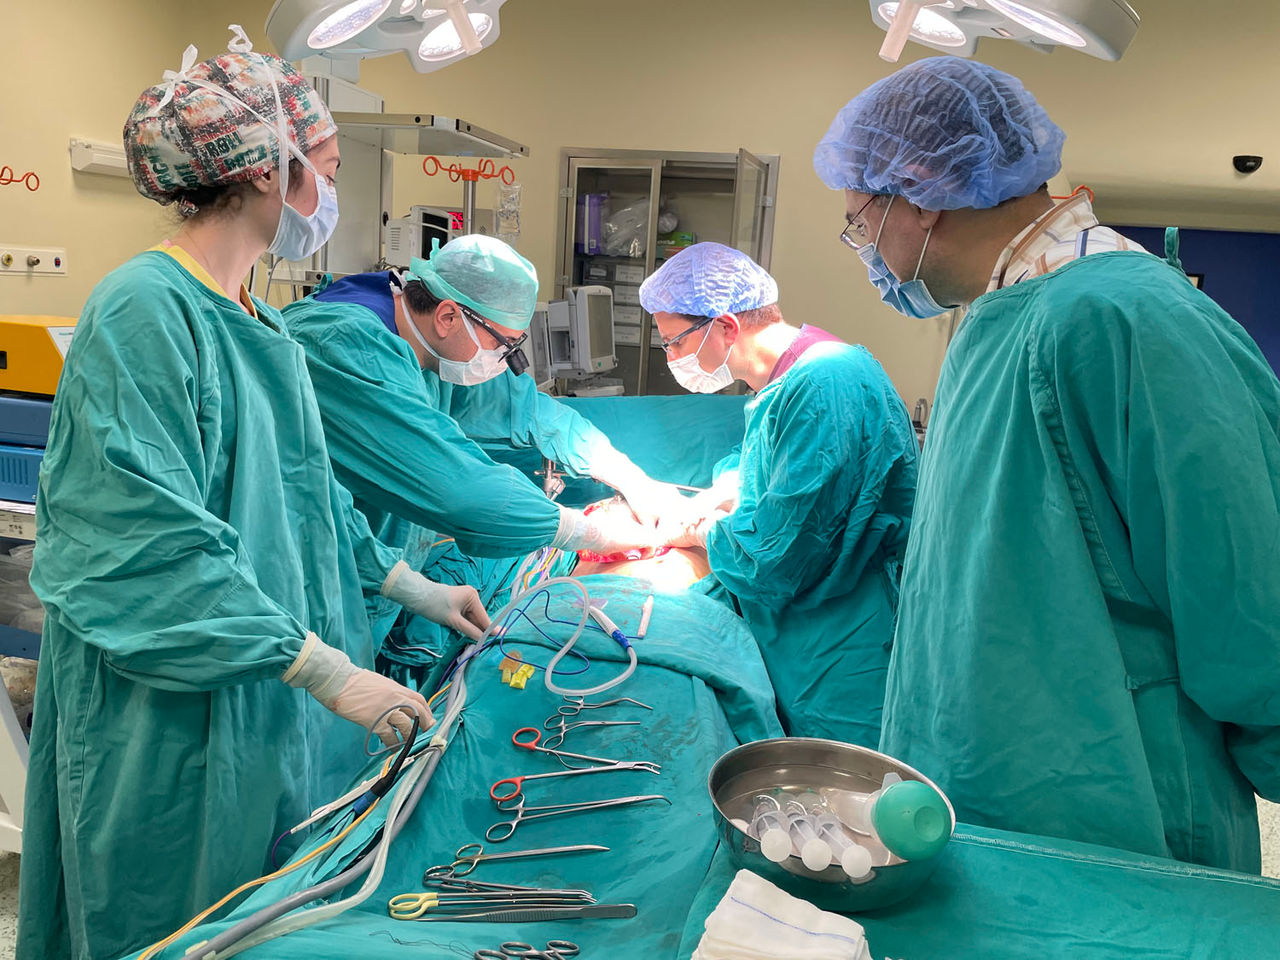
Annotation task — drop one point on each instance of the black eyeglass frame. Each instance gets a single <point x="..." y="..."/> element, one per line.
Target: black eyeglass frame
<point x="515" y="358"/>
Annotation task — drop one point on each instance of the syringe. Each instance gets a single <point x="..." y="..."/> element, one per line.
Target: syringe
<point x="769" y="826"/>
<point x="815" y="852"/>
<point x="855" y="859"/>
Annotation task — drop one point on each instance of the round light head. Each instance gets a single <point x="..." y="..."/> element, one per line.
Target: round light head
<point x="443" y="42"/>
<point x="1038" y="22"/>
<point x="930" y="26"/>
<point x="345" y="22"/>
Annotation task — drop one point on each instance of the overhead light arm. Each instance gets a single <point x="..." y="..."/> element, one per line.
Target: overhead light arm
<point x="899" y="32"/>
<point x="462" y="23"/>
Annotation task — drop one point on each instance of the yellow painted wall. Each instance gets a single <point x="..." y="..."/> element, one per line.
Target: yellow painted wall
<point x="1153" y="133"/>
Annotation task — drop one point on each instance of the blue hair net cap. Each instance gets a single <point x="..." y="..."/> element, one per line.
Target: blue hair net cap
<point x="484" y="274"/>
<point x="946" y="134"/>
<point x="707" y="280"/>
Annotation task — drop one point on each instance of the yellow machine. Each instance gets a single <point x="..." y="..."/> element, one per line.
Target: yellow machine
<point x="31" y="352"/>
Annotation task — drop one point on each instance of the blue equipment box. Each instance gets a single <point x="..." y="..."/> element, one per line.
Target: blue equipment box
<point x="24" y="420"/>
<point x="19" y="471"/>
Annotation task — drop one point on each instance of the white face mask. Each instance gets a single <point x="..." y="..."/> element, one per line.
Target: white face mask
<point x="485" y="365"/>
<point x="690" y="375"/>
<point x="298" y="236"/>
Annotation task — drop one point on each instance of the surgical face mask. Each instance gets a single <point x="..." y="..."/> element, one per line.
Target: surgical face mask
<point x="485" y="365"/>
<point x="690" y="375"/>
<point x="298" y="236"/>
<point x="911" y="299"/>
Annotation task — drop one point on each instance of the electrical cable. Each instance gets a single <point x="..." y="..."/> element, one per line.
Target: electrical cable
<point x="271" y="921"/>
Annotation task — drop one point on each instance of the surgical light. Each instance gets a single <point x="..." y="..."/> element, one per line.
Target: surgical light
<point x="1041" y="23"/>
<point x="444" y="43"/>
<point x="1100" y="28"/>
<point x="929" y="26"/>
<point x="346" y="22"/>
<point x="431" y="36"/>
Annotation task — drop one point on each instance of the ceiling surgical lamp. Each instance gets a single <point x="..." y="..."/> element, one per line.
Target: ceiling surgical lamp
<point x="1100" y="28"/>
<point x="431" y="33"/>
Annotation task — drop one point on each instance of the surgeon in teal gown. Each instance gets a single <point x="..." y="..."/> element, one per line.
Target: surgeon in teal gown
<point x="1088" y="644"/>
<point x="411" y="380"/>
<point x="205" y="667"/>
<point x="807" y="523"/>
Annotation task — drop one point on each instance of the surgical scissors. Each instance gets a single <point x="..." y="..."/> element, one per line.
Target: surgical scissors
<point x="518" y="782"/>
<point x="534" y="743"/>
<point x="575" y="705"/>
<point x="514" y="950"/>
<point x="495" y="835"/>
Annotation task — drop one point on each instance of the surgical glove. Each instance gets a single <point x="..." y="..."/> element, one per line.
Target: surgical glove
<point x="653" y="501"/>
<point x="649" y="499"/>
<point x="361" y="696"/>
<point x="693" y="533"/>
<point x="603" y="532"/>
<point x="458" y="608"/>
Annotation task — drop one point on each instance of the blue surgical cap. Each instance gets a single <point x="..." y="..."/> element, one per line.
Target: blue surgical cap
<point x="482" y="273"/>
<point x="707" y="280"/>
<point x="946" y="134"/>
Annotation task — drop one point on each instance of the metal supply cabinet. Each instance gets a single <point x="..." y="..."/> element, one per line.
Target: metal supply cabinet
<point x="726" y="197"/>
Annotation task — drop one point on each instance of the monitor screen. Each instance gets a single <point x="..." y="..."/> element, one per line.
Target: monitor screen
<point x="600" y="323"/>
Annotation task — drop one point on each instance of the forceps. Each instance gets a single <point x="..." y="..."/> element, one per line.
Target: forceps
<point x="575" y="705"/>
<point x="514" y="950"/>
<point x="559" y="723"/>
<point x="413" y="906"/>
<point x="504" y="829"/>
<point x="534" y="743"/>
<point x="518" y="782"/>
<point x="471" y="854"/>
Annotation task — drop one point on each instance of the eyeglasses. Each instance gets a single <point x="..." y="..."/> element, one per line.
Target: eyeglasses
<point x="512" y="354"/>
<point x="668" y="344"/>
<point x="854" y="235"/>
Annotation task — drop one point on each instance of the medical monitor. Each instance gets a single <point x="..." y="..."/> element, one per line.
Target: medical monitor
<point x="580" y="333"/>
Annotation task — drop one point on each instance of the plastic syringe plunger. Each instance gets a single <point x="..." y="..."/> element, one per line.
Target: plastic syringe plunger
<point x="769" y="826"/>
<point x="815" y="853"/>
<point x="855" y="859"/>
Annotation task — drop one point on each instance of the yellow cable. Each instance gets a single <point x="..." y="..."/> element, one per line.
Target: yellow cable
<point x="432" y="547"/>
<point x="155" y="948"/>
<point x="434" y="697"/>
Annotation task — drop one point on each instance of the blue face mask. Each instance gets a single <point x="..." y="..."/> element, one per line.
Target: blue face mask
<point x="911" y="299"/>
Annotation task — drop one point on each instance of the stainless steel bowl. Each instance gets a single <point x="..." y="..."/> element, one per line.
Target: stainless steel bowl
<point x="796" y="764"/>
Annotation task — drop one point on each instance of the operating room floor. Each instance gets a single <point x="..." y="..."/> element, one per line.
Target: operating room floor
<point x="1269" y="814"/>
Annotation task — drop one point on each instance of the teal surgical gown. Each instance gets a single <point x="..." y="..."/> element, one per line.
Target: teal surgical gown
<point x="812" y="553"/>
<point x="189" y="534"/>
<point x="407" y="444"/>
<point x="1088" y="643"/>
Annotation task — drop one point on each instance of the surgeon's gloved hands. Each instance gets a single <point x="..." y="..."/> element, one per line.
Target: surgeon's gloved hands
<point x="361" y="696"/>
<point x="604" y="532"/>
<point x="653" y="501"/>
<point x="692" y="533"/>
<point x="367" y="696"/>
<point x="456" y="607"/>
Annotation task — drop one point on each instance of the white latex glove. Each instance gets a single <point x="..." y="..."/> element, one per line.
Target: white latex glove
<point x="692" y="533"/>
<point x="360" y="696"/>
<point x="458" y="608"/>
<point x="604" y="531"/>
<point x="653" y="501"/>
